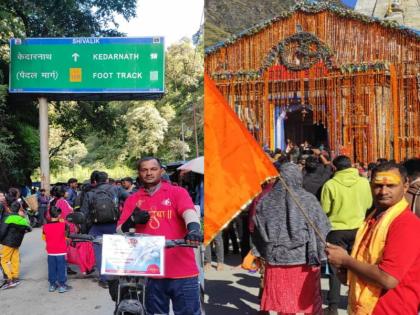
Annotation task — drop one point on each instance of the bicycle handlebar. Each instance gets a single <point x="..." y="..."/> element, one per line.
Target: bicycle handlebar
<point x="98" y="240"/>
<point x="177" y="243"/>
<point x="78" y="238"/>
<point x="86" y="237"/>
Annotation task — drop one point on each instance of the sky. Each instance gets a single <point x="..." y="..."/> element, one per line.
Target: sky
<point x="350" y="3"/>
<point x="172" y="19"/>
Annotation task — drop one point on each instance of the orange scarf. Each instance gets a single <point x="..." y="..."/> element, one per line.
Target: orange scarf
<point x="368" y="247"/>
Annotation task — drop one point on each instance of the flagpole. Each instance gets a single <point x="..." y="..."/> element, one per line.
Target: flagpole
<point x="195" y="132"/>
<point x="314" y="227"/>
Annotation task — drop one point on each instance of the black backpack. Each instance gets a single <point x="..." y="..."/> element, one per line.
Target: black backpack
<point x="104" y="207"/>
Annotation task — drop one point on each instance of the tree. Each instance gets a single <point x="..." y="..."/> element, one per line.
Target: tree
<point x="184" y="85"/>
<point x="50" y="18"/>
<point x="79" y="119"/>
<point x="7" y="153"/>
<point x="71" y="151"/>
<point x="146" y="130"/>
<point x="179" y="149"/>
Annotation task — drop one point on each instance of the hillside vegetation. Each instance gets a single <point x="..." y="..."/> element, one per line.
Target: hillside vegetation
<point x="227" y="17"/>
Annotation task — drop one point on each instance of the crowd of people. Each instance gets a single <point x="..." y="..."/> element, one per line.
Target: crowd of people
<point x="151" y="204"/>
<point x="358" y="223"/>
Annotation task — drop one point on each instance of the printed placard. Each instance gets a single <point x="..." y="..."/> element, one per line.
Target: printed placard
<point x="133" y="255"/>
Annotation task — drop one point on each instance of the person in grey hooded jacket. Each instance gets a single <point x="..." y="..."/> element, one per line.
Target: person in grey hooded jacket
<point x="289" y="245"/>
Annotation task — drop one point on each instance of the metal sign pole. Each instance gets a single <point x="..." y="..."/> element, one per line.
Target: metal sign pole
<point x="43" y="136"/>
<point x="183" y="141"/>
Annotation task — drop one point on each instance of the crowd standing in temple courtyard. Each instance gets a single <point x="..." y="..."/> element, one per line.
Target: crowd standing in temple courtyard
<point x="327" y="213"/>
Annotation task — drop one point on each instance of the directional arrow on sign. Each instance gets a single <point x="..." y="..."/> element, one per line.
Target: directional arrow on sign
<point x="75" y="56"/>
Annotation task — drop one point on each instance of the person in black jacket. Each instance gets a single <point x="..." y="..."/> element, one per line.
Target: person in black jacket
<point x="96" y="206"/>
<point x="317" y="171"/>
<point x="3" y="210"/>
<point x="12" y="231"/>
<point x="86" y="187"/>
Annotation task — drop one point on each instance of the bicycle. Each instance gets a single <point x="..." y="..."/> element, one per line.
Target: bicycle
<point x="128" y="292"/>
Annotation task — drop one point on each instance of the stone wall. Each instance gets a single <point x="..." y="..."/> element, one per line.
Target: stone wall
<point x="410" y="15"/>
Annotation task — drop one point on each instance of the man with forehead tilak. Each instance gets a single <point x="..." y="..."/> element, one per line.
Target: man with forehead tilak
<point x="383" y="271"/>
<point x="159" y="208"/>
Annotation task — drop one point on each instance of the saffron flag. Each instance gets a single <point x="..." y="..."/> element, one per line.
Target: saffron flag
<point x="235" y="165"/>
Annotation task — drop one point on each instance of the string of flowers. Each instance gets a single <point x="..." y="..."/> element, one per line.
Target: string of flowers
<point x="257" y="74"/>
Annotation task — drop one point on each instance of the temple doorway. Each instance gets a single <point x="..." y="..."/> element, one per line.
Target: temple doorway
<point x="299" y="127"/>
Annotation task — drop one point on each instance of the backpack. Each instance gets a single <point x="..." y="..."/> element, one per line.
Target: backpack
<point x="104" y="207"/>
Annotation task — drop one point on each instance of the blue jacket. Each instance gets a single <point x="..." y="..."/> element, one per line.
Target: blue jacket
<point x="72" y="194"/>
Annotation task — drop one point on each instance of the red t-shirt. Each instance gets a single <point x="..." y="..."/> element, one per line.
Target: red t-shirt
<point x="55" y="238"/>
<point x="166" y="207"/>
<point x="401" y="259"/>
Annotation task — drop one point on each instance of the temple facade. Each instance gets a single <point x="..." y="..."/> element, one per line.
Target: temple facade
<point x="327" y="75"/>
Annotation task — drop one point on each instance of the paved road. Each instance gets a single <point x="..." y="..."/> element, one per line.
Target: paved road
<point x="32" y="296"/>
<point x="234" y="291"/>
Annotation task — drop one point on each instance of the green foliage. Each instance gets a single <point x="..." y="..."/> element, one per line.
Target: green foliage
<point x="6" y="138"/>
<point x="78" y="119"/>
<point x="82" y="173"/>
<point x="108" y="151"/>
<point x="107" y="146"/>
<point x="185" y="89"/>
<point x="29" y="147"/>
<point x="146" y="130"/>
<point x="19" y="140"/>
<point x="23" y="153"/>
<point x="71" y="151"/>
<point x="182" y="67"/>
<point x="10" y="26"/>
<point x="69" y="18"/>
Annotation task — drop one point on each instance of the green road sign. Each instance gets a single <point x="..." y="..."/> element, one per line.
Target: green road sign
<point x="87" y="65"/>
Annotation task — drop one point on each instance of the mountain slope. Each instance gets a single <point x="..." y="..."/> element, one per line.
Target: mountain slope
<point x="227" y="17"/>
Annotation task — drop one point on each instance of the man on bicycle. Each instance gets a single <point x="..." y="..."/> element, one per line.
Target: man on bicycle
<point x="159" y="208"/>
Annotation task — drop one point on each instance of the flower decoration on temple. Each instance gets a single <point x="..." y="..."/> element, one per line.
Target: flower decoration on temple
<point x="300" y="52"/>
<point x="271" y="59"/>
<point x="240" y="75"/>
<point x="363" y="67"/>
